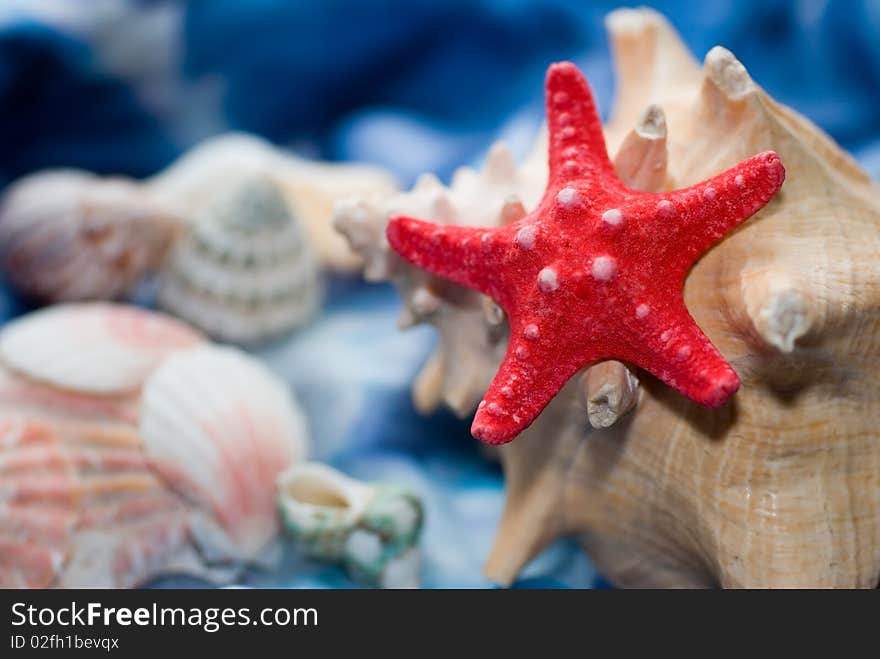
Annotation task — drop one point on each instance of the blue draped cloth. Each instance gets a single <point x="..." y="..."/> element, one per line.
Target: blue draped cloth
<point x="125" y="86"/>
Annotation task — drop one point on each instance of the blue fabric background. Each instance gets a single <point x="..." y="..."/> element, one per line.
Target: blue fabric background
<point x="121" y="86"/>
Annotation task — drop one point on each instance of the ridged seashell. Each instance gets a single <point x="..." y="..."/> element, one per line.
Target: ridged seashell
<point x="244" y="273"/>
<point x="173" y="471"/>
<point x="67" y="235"/>
<point x="778" y="488"/>
<point x="216" y="451"/>
<point x="98" y="348"/>
<point x="311" y="188"/>
<point x="373" y="529"/>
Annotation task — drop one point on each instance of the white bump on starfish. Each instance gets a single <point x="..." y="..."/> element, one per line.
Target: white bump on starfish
<point x="496" y="409"/>
<point x="568" y="198"/>
<point x="531" y="332"/>
<point x="666" y="208"/>
<point x="522" y="352"/>
<point x="709" y="194"/>
<point x="604" y="268"/>
<point x="683" y="352"/>
<point x="481" y="405"/>
<point x="570" y="167"/>
<point x="642" y="311"/>
<point x="564" y="119"/>
<point x="612" y="217"/>
<point x="666" y="336"/>
<point x="560" y="97"/>
<point x="484" y="240"/>
<point x="740" y="181"/>
<point x="525" y="237"/>
<point x="507" y="392"/>
<point x="570" y="152"/>
<point x="547" y="280"/>
<point x="568" y="131"/>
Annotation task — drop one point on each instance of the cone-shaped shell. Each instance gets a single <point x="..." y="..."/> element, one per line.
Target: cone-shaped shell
<point x="191" y="184"/>
<point x="245" y="272"/>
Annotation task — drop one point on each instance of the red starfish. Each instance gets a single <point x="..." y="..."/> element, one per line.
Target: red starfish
<point x="596" y="271"/>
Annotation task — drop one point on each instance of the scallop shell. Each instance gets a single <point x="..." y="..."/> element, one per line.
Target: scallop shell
<point x="373" y="529"/>
<point x="244" y="273"/>
<point x="220" y="428"/>
<point x="779" y="488"/>
<point x="67" y="235"/>
<point x="191" y="184"/>
<point x="65" y="482"/>
<point x="91" y="489"/>
<point x="92" y="348"/>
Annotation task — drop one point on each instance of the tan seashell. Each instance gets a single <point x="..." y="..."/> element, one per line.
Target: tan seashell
<point x="67" y="235"/>
<point x="311" y="188"/>
<point x="473" y="330"/>
<point x="93" y="492"/>
<point x="95" y="348"/>
<point x="779" y="488"/>
<point x="244" y="273"/>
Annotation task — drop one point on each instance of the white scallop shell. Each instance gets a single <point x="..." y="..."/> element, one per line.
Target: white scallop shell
<point x="92" y="348"/>
<point x="220" y="427"/>
<point x="245" y="272"/>
<point x="69" y="235"/>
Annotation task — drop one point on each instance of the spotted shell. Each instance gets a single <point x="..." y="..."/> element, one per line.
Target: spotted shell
<point x="245" y="272"/>
<point x="371" y="528"/>
<point x="67" y="235"/>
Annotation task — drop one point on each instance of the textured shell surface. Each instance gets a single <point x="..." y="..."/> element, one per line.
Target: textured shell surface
<point x="93" y="348"/>
<point x="220" y="427"/>
<point x="777" y="488"/>
<point x="65" y="483"/>
<point x="68" y="235"/>
<point x="371" y="528"/>
<point x="245" y="272"/>
<point x="472" y="327"/>
<point x="310" y="188"/>
<point x="90" y="493"/>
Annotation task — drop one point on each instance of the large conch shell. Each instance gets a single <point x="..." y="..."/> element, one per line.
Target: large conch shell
<point x="778" y="488"/>
<point x="130" y="447"/>
<point x="244" y="273"/>
<point x="310" y="188"/>
<point x="68" y="235"/>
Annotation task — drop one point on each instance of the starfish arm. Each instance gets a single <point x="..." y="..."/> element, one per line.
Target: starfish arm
<point x="577" y="144"/>
<point x="469" y="256"/>
<point x="693" y="219"/>
<point x="673" y="348"/>
<point x="530" y="375"/>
